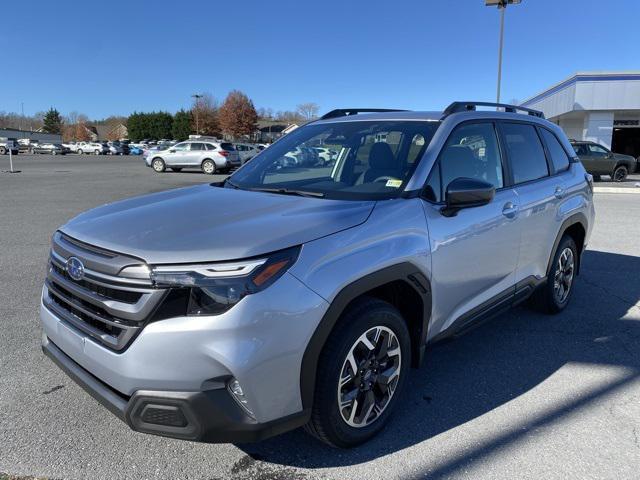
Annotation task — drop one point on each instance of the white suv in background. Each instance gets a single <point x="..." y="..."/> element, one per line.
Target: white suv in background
<point x="210" y="157"/>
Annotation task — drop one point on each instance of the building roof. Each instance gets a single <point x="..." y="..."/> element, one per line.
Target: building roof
<point x="594" y="76"/>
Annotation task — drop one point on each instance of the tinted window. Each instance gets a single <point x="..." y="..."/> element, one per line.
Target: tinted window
<point x="197" y="146"/>
<point x="227" y="146"/>
<point x="179" y="146"/>
<point x="472" y="152"/>
<point x="559" y="157"/>
<point x="208" y="146"/>
<point x="525" y="152"/>
<point x="597" y="150"/>
<point x="580" y="148"/>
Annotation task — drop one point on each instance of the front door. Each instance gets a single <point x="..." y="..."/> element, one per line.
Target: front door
<point x="475" y="252"/>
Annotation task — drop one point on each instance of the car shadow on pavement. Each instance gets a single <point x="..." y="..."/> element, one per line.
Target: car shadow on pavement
<point x="464" y="379"/>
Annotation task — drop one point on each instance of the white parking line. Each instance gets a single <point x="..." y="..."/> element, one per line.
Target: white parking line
<point x="616" y="190"/>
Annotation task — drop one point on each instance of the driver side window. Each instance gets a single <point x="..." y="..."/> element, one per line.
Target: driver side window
<point x="472" y="152"/>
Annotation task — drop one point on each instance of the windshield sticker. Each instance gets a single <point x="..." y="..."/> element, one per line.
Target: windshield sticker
<point x="394" y="183"/>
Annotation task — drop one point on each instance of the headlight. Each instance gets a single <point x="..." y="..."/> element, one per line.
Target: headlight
<point x="214" y="288"/>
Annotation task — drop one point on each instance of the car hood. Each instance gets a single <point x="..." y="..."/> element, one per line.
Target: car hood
<point x="207" y="223"/>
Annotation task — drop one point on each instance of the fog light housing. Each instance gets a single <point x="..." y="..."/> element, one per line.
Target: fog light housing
<point x="237" y="393"/>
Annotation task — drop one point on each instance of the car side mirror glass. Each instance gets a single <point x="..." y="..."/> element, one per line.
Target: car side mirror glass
<point x="467" y="193"/>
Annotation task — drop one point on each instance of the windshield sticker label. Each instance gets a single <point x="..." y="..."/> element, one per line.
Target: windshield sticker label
<point x="394" y="183"/>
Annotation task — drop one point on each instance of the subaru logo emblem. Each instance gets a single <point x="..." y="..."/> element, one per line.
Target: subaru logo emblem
<point x="75" y="268"/>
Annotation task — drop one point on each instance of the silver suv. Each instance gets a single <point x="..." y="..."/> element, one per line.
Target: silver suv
<point x="296" y="295"/>
<point x="210" y="157"/>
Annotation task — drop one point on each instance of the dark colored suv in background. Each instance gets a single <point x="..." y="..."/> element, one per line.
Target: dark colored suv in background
<point x="598" y="160"/>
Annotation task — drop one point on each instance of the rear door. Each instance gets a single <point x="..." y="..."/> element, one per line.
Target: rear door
<point x="540" y="189"/>
<point x="197" y="154"/>
<point x="475" y="252"/>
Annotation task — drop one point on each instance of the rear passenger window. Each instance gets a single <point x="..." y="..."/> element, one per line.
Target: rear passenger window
<point x="197" y="146"/>
<point x="559" y="156"/>
<point x="525" y="152"/>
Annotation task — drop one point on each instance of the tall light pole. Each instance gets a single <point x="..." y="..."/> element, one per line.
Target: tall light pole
<point x="197" y="96"/>
<point x="502" y="6"/>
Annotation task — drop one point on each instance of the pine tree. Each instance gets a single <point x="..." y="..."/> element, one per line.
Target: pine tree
<point x="181" y="128"/>
<point x="52" y="122"/>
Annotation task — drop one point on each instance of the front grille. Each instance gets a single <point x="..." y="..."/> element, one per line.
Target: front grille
<point x="109" y="307"/>
<point x="106" y="292"/>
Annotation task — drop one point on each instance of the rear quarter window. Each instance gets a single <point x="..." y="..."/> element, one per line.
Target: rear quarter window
<point x="559" y="156"/>
<point x="227" y="146"/>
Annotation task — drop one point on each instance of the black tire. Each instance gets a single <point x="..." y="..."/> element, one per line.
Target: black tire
<point x="208" y="166"/>
<point x="546" y="298"/>
<point x="2" y="151"/>
<point x="79" y="151"/>
<point x="158" y="165"/>
<point x="175" y="169"/>
<point x="96" y="152"/>
<point x="327" y="422"/>
<point x="597" y="178"/>
<point x="620" y="173"/>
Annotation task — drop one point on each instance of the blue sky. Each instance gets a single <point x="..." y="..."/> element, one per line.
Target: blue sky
<point x="116" y="56"/>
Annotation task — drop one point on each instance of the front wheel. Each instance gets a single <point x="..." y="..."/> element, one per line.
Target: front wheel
<point x="79" y="151"/>
<point x="53" y="152"/>
<point x="2" y="151"/>
<point x="620" y="174"/>
<point x="361" y="373"/>
<point x="97" y="152"/>
<point x="209" y="167"/>
<point x="158" y="165"/>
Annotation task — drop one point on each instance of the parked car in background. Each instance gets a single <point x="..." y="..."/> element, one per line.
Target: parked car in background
<point x="326" y="155"/>
<point x="9" y="145"/>
<point x="72" y="146"/>
<point x="50" y="148"/>
<point x="94" y="148"/>
<point x="246" y="151"/>
<point x="25" y="145"/>
<point x="114" y="149"/>
<point x="135" y="150"/>
<point x="599" y="160"/>
<point x="209" y="157"/>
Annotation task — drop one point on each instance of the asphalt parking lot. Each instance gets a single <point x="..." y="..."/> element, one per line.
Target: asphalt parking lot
<point x="524" y="396"/>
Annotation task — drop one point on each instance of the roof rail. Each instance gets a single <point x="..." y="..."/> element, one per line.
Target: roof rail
<point x="344" y="112"/>
<point x="456" y="107"/>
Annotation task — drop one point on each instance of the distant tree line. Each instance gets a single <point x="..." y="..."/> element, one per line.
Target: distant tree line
<point x="236" y="117"/>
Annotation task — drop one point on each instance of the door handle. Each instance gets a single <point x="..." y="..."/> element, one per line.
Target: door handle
<point x="509" y="210"/>
<point x="559" y="193"/>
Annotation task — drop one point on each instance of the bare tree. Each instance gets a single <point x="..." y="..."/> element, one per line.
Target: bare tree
<point x="308" y="111"/>
<point x="205" y="115"/>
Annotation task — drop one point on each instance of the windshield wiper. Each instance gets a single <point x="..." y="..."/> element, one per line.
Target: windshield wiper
<point x="287" y="191"/>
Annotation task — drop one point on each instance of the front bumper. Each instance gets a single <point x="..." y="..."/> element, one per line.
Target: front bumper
<point x="207" y="416"/>
<point x="260" y="342"/>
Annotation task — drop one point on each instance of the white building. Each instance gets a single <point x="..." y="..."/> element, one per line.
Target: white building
<point x="603" y="107"/>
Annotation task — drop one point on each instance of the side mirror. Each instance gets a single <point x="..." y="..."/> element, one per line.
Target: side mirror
<point x="466" y="193"/>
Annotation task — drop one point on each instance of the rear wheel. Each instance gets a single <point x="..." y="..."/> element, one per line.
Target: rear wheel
<point x="96" y="152"/>
<point x="158" y="165"/>
<point x="554" y="296"/>
<point x="620" y="174"/>
<point x="79" y="151"/>
<point x="361" y="373"/>
<point x="208" y="167"/>
<point x="2" y="151"/>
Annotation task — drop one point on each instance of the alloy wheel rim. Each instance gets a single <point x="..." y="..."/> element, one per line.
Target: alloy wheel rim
<point x="563" y="277"/>
<point x="369" y="377"/>
<point x="208" y="167"/>
<point x="157" y="166"/>
<point x="619" y="175"/>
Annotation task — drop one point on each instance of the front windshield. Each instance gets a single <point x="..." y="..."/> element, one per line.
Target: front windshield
<point x="356" y="160"/>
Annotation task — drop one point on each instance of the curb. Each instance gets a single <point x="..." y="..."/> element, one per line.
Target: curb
<point x="616" y="190"/>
